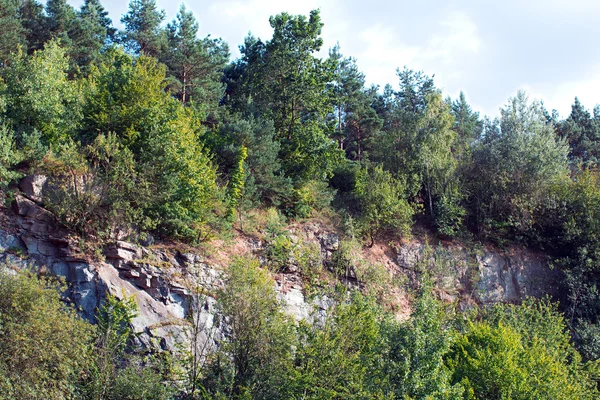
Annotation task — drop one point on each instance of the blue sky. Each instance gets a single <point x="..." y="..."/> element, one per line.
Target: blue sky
<point x="487" y="49"/>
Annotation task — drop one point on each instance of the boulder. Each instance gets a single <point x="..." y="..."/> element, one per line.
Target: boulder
<point x="34" y="186"/>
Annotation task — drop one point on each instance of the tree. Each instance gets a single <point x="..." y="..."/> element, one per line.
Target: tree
<point x="260" y="346"/>
<point x="196" y="65"/>
<point x="418" y="347"/>
<point x="401" y="144"/>
<point x="9" y="157"/>
<point x="570" y="230"/>
<point x="356" y="122"/>
<point x="96" y="190"/>
<point x="265" y="180"/>
<point x="341" y="356"/>
<point x="284" y="77"/>
<point x="92" y="30"/>
<point x="521" y="352"/>
<point x="127" y="97"/>
<point x="143" y="34"/>
<point x="60" y="21"/>
<point x="114" y="331"/>
<point x="95" y="10"/>
<point x="514" y="164"/>
<point x="467" y="124"/>
<point x="417" y="145"/>
<point x="45" y="348"/>
<point x="383" y="204"/>
<point x="13" y="34"/>
<point x="33" y="20"/>
<point x="582" y="132"/>
<point x="40" y="97"/>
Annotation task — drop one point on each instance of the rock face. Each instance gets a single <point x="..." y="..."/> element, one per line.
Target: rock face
<point x="30" y="239"/>
<point x="486" y="275"/>
<point x="174" y="290"/>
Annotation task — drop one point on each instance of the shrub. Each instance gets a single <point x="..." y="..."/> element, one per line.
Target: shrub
<point x="383" y="203"/>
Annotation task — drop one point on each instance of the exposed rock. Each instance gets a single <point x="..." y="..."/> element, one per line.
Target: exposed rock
<point x="291" y="296"/>
<point x="174" y="288"/>
<point x="512" y="277"/>
<point x="27" y="208"/>
<point x="10" y="242"/>
<point x="123" y="252"/>
<point x="408" y="255"/>
<point x="33" y="186"/>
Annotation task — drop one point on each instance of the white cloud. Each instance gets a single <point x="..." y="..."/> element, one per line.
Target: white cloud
<point x="253" y="15"/>
<point x="459" y="35"/>
<point x="455" y="39"/>
<point x="561" y="96"/>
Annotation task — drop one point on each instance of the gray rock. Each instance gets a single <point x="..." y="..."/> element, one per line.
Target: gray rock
<point x="330" y="241"/>
<point x="27" y="208"/>
<point x="33" y="186"/>
<point x="10" y="242"/>
<point x="61" y="269"/>
<point x="38" y="247"/>
<point x="80" y="273"/>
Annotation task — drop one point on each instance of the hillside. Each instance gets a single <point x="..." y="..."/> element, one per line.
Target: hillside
<point x="177" y="224"/>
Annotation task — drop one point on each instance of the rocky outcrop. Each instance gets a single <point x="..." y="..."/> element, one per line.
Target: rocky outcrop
<point x="170" y="290"/>
<point x="175" y="290"/>
<point x="484" y="275"/>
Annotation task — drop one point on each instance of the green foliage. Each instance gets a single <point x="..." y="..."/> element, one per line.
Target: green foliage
<point x="356" y="122"/>
<point x="383" y="203"/>
<point x="417" y="350"/>
<point x="582" y="132"/>
<point x="521" y="352"/>
<point x="39" y="95"/>
<point x="265" y="181"/>
<point x="92" y="28"/>
<point x="236" y="186"/>
<point x="417" y="145"/>
<point x="258" y="356"/>
<point x="13" y="33"/>
<point x="449" y="213"/>
<point x="467" y="124"/>
<point x="9" y="157"/>
<point x="97" y="190"/>
<point x="45" y="348"/>
<point x="513" y="166"/>
<point x="570" y="229"/>
<point x="142" y="33"/>
<point x="137" y="382"/>
<point x="195" y="65"/>
<point x="295" y="101"/>
<point x="127" y="97"/>
<point x="340" y="357"/>
<point x="311" y="196"/>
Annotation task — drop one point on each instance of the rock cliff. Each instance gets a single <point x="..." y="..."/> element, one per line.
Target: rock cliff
<point x="173" y="287"/>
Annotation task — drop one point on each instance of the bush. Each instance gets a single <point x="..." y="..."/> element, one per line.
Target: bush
<point x="312" y="196"/>
<point x="97" y="190"/>
<point x="521" y="352"/>
<point x="9" y="157"/>
<point x="45" y="348"/>
<point x="383" y="203"/>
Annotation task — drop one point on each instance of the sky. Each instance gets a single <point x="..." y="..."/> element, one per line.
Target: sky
<point x="487" y="49"/>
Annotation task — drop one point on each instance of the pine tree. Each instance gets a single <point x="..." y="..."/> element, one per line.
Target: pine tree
<point x="356" y="122"/>
<point x="195" y="65"/>
<point x="60" y="21"/>
<point x="285" y="78"/>
<point x="13" y="33"/>
<point x="91" y="31"/>
<point x="33" y="20"/>
<point x="143" y="34"/>
<point x="467" y="124"/>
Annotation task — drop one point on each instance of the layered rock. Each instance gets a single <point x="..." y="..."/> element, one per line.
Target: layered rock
<point x="174" y="289"/>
